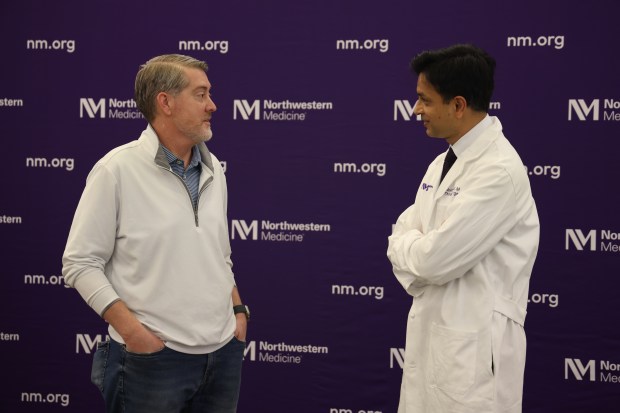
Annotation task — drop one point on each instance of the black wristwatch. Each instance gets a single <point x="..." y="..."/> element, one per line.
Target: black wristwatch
<point x="242" y="308"/>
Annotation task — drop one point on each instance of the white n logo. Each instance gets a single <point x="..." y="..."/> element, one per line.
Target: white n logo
<point x="578" y="369"/>
<point x="92" y="108"/>
<point x="250" y="348"/>
<point x="241" y="228"/>
<point x="579" y="240"/>
<point x="581" y="109"/>
<point x="405" y="109"/>
<point x="245" y="109"/>
<point x="397" y="354"/>
<point x="86" y="343"/>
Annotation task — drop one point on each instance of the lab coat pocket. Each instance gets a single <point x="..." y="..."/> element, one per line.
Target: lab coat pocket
<point x="453" y="359"/>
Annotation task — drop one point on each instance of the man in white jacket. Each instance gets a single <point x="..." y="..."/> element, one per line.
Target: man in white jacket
<point x="149" y="251"/>
<point x="466" y="248"/>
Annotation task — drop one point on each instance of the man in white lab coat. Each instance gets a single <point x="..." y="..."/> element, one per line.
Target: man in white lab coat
<point x="465" y="249"/>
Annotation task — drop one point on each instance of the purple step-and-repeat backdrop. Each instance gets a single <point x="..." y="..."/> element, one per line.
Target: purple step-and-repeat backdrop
<point x="322" y="152"/>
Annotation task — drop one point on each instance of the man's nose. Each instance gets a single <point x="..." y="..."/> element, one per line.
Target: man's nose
<point x="417" y="108"/>
<point x="211" y="107"/>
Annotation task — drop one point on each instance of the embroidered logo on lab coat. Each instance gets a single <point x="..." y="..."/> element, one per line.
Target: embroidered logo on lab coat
<point x="454" y="191"/>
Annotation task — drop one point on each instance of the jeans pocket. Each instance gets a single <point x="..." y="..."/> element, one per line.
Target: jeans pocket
<point x="100" y="359"/>
<point x="239" y="341"/>
<point x="144" y="355"/>
<point x="453" y="358"/>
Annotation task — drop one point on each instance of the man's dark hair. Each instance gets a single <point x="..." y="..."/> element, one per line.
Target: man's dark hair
<point x="459" y="70"/>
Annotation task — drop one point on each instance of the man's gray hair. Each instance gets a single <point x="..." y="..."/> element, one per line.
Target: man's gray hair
<point x="162" y="74"/>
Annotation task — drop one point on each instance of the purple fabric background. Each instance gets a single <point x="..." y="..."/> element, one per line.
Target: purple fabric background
<point x="303" y="293"/>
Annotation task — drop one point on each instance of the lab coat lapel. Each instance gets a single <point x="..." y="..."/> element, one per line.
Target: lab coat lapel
<point x="479" y="145"/>
<point x="455" y="171"/>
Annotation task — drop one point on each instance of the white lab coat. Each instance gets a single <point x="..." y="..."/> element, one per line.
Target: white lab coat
<point x="465" y="252"/>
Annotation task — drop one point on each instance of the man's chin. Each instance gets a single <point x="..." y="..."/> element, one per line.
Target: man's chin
<point x="432" y="134"/>
<point x="205" y="137"/>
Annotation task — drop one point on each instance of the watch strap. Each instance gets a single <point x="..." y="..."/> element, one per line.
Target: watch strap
<point x="242" y="308"/>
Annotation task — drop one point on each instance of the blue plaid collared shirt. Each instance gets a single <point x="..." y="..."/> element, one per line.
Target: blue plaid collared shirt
<point x="191" y="175"/>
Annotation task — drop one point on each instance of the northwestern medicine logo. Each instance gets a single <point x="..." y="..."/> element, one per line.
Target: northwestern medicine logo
<point x="577" y="369"/>
<point x="109" y="108"/>
<point x="272" y="110"/>
<point x="86" y="343"/>
<point x="282" y="353"/>
<point x="397" y="355"/>
<point x="587" y="240"/>
<point x="283" y="231"/>
<point x="403" y="109"/>
<point x="580" y="109"/>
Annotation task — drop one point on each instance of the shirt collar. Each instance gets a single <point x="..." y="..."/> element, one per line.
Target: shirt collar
<point x="172" y="158"/>
<point x="466" y="140"/>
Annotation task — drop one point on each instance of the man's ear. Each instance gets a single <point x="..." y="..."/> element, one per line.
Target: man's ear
<point x="164" y="103"/>
<point x="460" y="105"/>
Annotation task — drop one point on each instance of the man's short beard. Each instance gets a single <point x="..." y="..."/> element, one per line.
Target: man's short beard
<point x="203" y="138"/>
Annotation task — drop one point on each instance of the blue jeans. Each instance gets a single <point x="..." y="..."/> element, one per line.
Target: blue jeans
<point x="168" y="381"/>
